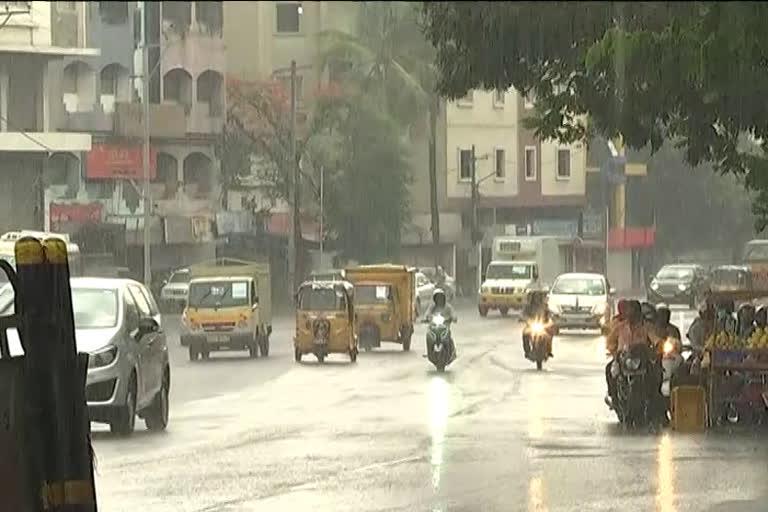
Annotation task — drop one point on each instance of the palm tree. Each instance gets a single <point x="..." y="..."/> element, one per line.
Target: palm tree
<point x="390" y="60"/>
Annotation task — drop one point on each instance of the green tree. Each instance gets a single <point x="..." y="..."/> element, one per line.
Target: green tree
<point x="691" y="72"/>
<point x="366" y="179"/>
<point x="389" y="59"/>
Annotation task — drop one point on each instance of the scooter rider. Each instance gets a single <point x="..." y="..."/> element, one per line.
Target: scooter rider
<point x="440" y="305"/>
<point x="664" y="328"/>
<point x="536" y="309"/>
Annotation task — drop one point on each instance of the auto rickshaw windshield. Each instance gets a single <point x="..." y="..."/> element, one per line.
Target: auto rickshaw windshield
<point x="373" y="294"/>
<point x="321" y="299"/>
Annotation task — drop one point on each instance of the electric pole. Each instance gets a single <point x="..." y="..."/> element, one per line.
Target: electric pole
<point x="475" y="230"/>
<point x="147" y="190"/>
<point x="433" y="206"/>
<point x="294" y="245"/>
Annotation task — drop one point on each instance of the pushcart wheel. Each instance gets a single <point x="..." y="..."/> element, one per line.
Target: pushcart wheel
<point x="297" y="355"/>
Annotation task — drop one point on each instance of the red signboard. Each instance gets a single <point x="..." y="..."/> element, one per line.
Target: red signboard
<point x="118" y="161"/>
<point x="631" y="238"/>
<point x="62" y="214"/>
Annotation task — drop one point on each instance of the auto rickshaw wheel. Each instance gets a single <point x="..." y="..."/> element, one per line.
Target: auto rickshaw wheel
<point x="321" y="358"/>
<point x="407" y="343"/>
<point x="297" y="355"/>
<point x="353" y="355"/>
<point x="483" y="311"/>
<point x="192" y="353"/>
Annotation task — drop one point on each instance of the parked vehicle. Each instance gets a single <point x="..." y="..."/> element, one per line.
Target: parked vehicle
<point x="328" y="275"/>
<point x="325" y="320"/>
<point x="229" y="308"/>
<point x="175" y="290"/>
<point x="679" y="284"/>
<point x="518" y="265"/>
<point x="581" y="301"/>
<point x="441" y="350"/>
<point x="118" y="323"/>
<point x="384" y="304"/>
<point x="424" y="290"/>
<point x="8" y="242"/>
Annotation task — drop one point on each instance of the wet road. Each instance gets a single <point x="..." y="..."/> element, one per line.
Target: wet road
<point x="388" y="433"/>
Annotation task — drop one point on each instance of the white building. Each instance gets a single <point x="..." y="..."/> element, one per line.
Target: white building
<point x="34" y="38"/>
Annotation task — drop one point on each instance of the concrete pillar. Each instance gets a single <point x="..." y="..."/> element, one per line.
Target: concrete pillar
<point x="5" y="87"/>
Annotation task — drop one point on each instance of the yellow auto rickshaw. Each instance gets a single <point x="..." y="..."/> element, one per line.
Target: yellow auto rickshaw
<point x="384" y="304"/>
<point x="325" y="320"/>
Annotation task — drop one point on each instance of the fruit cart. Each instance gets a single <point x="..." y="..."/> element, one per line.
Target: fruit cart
<point x="737" y="389"/>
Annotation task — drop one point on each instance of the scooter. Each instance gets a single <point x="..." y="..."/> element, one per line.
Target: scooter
<point x="440" y="348"/>
<point x="540" y="339"/>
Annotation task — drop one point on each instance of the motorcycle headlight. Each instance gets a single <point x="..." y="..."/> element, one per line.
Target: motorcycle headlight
<point x="682" y="287"/>
<point x="537" y="328"/>
<point x="632" y="364"/>
<point x="438" y="320"/>
<point x="669" y="347"/>
<point x="654" y="286"/>
<point x="103" y="357"/>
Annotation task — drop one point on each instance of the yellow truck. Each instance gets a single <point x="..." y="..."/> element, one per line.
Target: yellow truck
<point x="229" y="307"/>
<point x="384" y="304"/>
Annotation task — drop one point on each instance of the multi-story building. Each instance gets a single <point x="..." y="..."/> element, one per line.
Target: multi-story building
<point x="103" y="94"/>
<point x="34" y="38"/>
<point x="525" y="186"/>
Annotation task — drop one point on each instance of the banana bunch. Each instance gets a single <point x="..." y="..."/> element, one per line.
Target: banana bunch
<point x="759" y="339"/>
<point x="724" y="340"/>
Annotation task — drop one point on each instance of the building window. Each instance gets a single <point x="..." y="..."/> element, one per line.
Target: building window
<point x="114" y="13"/>
<point x="465" y="164"/>
<point x="289" y="17"/>
<point x="530" y="163"/>
<point x="563" y="164"/>
<point x="498" y="98"/>
<point x="500" y="164"/>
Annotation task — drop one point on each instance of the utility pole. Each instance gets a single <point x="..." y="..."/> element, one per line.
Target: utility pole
<point x="475" y="230"/>
<point x="147" y="190"/>
<point x="294" y="240"/>
<point x="433" y="206"/>
<point x="322" y="232"/>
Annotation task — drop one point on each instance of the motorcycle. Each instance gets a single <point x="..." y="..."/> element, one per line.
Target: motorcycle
<point x="440" y="350"/>
<point x="540" y="339"/>
<point x="631" y="370"/>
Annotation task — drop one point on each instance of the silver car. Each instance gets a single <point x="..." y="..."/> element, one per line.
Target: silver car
<point x="176" y="289"/>
<point x="118" y="324"/>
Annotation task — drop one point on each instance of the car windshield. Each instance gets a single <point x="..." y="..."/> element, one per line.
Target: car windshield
<point x="373" y="294"/>
<point x="508" y="272"/>
<point x="675" y="273"/>
<point x="579" y="286"/>
<point x="94" y="308"/>
<point x="179" y="277"/>
<point x="218" y="294"/>
<point x="321" y="299"/>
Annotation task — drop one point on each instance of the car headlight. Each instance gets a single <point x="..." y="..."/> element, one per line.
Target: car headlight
<point x="654" y="286"/>
<point x="102" y="358"/>
<point x="682" y="287"/>
<point x="599" y="308"/>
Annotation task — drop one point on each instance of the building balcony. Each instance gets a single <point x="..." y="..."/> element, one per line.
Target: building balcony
<point x="92" y="121"/>
<point x="200" y="121"/>
<point x="166" y="120"/>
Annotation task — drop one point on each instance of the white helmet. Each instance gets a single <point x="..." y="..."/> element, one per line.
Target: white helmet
<point x="436" y="293"/>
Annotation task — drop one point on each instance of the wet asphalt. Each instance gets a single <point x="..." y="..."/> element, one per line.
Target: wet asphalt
<point x="389" y="433"/>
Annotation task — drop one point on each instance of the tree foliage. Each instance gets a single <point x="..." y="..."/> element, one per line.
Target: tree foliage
<point x="691" y="72"/>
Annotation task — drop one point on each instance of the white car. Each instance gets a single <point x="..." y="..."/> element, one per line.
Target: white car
<point x="424" y="290"/>
<point x="176" y="289"/>
<point x="581" y="301"/>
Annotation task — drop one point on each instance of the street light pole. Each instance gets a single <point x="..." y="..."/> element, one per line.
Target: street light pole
<point x="322" y="233"/>
<point x="147" y="191"/>
<point x="293" y="240"/>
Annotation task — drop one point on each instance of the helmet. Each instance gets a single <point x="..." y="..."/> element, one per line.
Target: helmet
<point x="438" y="293"/>
<point x="649" y="311"/>
<point x="663" y="314"/>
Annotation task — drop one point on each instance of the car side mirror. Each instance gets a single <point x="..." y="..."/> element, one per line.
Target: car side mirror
<point x="148" y="325"/>
<point x="612" y="291"/>
<point x="255" y="301"/>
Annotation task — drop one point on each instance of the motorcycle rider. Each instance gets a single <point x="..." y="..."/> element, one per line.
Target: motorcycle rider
<point x="746" y="320"/>
<point x="628" y="333"/>
<point x="664" y="328"/>
<point x="440" y="305"/>
<point x="703" y="326"/>
<point x="536" y="309"/>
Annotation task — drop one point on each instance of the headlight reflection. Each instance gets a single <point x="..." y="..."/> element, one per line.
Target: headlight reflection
<point x="438" y="418"/>
<point x="665" y="490"/>
<point x="537" y="501"/>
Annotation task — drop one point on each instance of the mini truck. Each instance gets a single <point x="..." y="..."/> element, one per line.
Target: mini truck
<point x="229" y="307"/>
<point x="519" y="264"/>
